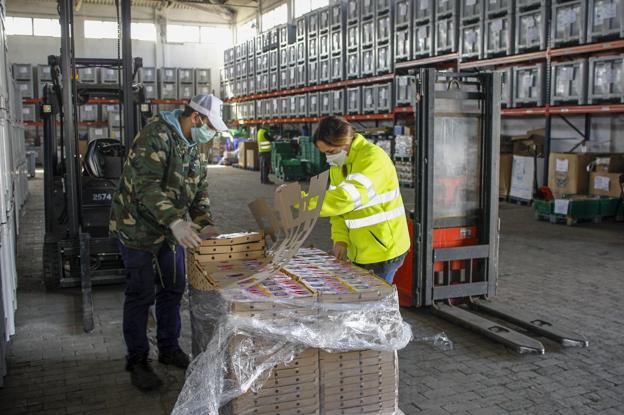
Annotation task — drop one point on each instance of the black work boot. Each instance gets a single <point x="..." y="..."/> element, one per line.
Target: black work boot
<point x="174" y="357"/>
<point x="143" y="377"/>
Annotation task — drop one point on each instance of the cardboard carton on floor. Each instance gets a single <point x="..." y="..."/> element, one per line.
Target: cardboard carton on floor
<point x="504" y="181"/>
<point x="605" y="184"/>
<point x="567" y="173"/>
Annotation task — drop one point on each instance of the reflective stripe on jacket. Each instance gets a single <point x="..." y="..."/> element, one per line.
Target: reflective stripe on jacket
<point x="264" y="145"/>
<point x="365" y="205"/>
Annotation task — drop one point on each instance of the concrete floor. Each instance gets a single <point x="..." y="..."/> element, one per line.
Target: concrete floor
<point x="572" y="275"/>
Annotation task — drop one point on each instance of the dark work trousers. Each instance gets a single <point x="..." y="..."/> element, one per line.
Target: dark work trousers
<point x="160" y="277"/>
<point x="385" y="269"/>
<point x="265" y="166"/>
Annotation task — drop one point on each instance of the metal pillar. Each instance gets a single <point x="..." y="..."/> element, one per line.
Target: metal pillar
<point x="127" y="72"/>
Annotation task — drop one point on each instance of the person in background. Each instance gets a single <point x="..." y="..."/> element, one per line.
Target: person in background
<point x="160" y="204"/>
<point x="264" y="150"/>
<point x="368" y="220"/>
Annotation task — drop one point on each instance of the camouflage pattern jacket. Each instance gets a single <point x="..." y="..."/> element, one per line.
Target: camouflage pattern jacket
<point x="163" y="179"/>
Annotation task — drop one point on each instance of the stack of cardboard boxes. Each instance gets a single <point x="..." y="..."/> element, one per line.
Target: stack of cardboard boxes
<point x="521" y="165"/>
<point x="316" y="381"/>
<point x="593" y="174"/>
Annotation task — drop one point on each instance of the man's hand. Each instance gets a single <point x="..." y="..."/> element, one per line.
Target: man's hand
<point x="281" y="188"/>
<point x="340" y="251"/>
<point x="186" y="233"/>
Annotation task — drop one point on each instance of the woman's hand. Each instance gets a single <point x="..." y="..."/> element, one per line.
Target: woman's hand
<point x="340" y="251"/>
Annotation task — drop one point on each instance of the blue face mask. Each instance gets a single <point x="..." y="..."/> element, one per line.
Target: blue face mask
<point x="203" y="134"/>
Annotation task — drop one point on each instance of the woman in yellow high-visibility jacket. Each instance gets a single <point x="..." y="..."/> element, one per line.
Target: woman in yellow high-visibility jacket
<point x="368" y="221"/>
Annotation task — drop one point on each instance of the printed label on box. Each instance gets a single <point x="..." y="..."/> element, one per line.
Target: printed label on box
<point x="562" y="165"/>
<point x="601" y="183"/>
<point x="561" y="206"/>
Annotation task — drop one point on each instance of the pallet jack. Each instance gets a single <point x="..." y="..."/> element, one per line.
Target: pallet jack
<point x="452" y="266"/>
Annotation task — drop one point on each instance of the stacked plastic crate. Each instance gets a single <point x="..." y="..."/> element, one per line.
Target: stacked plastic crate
<point x="167" y="82"/>
<point x="311" y="21"/>
<point x="423" y="44"/>
<point x="471" y="29"/>
<point x="446" y="25"/>
<point x="498" y="28"/>
<point x="403" y="30"/>
<point x="323" y="45"/>
<point x="202" y="81"/>
<point x="23" y="75"/>
<point x="403" y="90"/>
<point x="44" y="76"/>
<point x="186" y="83"/>
<point x="147" y="76"/>
<point x="384" y="37"/>
<point x="337" y="23"/>
<point x="367" y="24"/>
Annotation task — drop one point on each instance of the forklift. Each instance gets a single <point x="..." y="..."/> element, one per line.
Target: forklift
<point x="452" y="266"/>
<point x="78" y="188"/>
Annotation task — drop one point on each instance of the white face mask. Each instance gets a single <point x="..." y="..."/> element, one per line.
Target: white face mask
<point x="337" y="159"/>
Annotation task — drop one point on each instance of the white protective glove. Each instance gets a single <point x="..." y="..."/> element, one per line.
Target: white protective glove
<point x="186" y="233"/>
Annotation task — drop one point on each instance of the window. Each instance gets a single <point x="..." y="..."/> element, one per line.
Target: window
<point x="182" y="33"/>
<point x="216" y="34"/>
<point x="19" y="26"/>
<point x="246" y="31"/>
<point x="47" y="27"/>
<point x="143" y="31"/>
<point x="304" y="6"/>
<point x="97" y="29"/>
<point x="277" y="16"/>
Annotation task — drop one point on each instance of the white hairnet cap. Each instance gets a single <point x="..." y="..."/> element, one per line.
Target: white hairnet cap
<point x="211" y="107"/>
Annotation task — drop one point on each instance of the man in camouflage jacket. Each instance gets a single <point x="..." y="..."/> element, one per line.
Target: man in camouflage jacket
<point x="160" y="204"/>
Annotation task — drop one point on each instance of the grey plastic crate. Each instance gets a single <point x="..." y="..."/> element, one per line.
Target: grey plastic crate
<point x="470" y="10"/>
<point x="336" y="44"/>
<point x="88" y="113"/>
<point x="569" y="82"/>
<point x="367" y="9"/>
<point x="98" y="132"/>
<point x="251" y="110"/>
<point x="423" y="10"/>
<point x="266" y="41"/>
<point x="169" y="74"/>
<point x="284" y="81"/>
<point x="323" y="46"/>
<point x="241" y="68"/>
<point x="312" y="52"/>
<point x="446" y="35"/>
<point x="506" y="87"/>
<point x="267" y="109"/>
<point x="498" y="7"/>
<point x="283" y="57"/>
<point x="353" y="11"/>
<point x="470" y="41"/>
<point x="384" y="59"/>
<point x="568" y="23"/>
<point x="403" y="89"/>
<point x="384" y="29"/>
<point x="273" y="59"/>
<point x="383" y="6"/>
<point x="337" y="65"/>
<point x="445" y="8"/>
<point x="264" y="59"/>
<point x="369" y="99"/>
<point x="29" y="112"/>
<point x="25" y="88"/>
<point x="151" y="91"/>
<point x="324" y="71"/>
<point x="264" y="82"/>
<point x="186" y="91"/>
<point x="259" y="112"/>
<point x="605" y="20"/>
<point x="109" y="75"/>
<point x="422" y="40"/>
<point x="251" y="53"/>
<point x="148" y="74"/>
<point x="251" y="68"/>
<point x="324" y="19"/>
<point x="302" y="105"/>
<point x="313" y="104"/>
<point x="22" y="72"/>
<point x="325" y="103"/>
<point x="274" y="105"/>
<point x="87" y="75"/>
<point x="498" y="36"/>
<point x="526" y="4"/>
<point x="313" y="23"/>
<point x="338" y="101"/>
<point x="274" y="80"/>
<point x="44" y="73"/>
<point x="353" y="37"/>
<point x="274" y="38"/>
<point x="301" y="30"/>
<point x="258" y="44"/>
<point x="385" y="98"/>
<point x="241" y="51"/>
<point x="529" y="85"/>
<point x="531" y="30"/>
<point x="354" y="100"/>
<point x="367" y="34"/>
<point x="106" y="110"/>
<point x="301" y="74"/>
<point x="403" y="44"/>
<point x="367" y="62"/>
<point x="337" y="16"/>
<point x="313" y="72"/>
<point x="353" y="64"/>
<point x="403" y="13"/>
<point x="251" y="85"/>
<point x="606" y="79"/>
<point x="301" y="52"/>
<point x="292" y="76"/>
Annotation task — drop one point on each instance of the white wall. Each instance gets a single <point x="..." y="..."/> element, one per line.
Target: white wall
<point x="35" y="49"/>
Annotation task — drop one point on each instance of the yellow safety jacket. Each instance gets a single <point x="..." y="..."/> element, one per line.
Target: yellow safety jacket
<point x="264" y="145"/>
<point x="365" y="205"/>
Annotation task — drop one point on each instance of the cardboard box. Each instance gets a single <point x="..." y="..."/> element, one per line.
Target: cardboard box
<point x="504" y="180"/>
<point x="611" y="163"/>
<point x="567" y="173"/>
<point x="242" y="152"/>
<point x="605" y="184"/>
<point x="250" y="160"/>
<point x="529" y="144"/>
